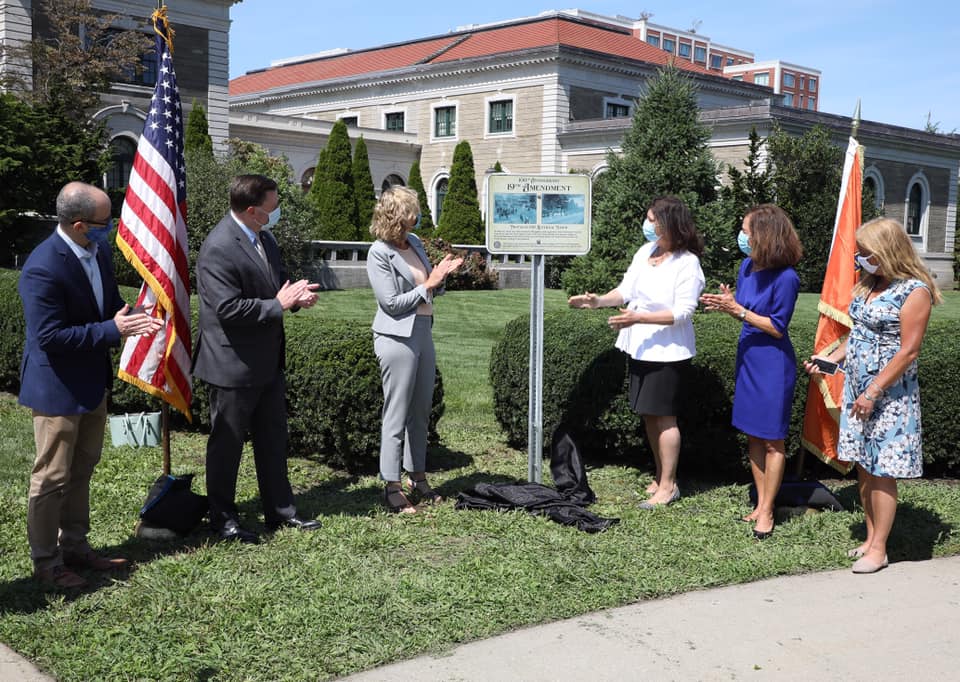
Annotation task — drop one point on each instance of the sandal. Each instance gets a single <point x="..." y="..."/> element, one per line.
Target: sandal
<point x="423" y="490"/>
<point x="396" y="502"/>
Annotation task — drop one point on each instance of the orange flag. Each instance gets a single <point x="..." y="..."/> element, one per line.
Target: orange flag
<point x="821" y="421"/>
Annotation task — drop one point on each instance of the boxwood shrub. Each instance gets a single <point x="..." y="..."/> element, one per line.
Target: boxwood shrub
<point x="585" y="387"/>
<point x="334" y="395"/>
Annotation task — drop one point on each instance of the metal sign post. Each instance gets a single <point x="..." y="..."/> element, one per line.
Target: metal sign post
<point x="535" y="411"/>
<point x="537" y="215"/>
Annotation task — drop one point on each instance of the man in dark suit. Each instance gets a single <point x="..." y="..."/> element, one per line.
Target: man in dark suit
<point x="74" y="316"/>
<point x="240" y="354"/>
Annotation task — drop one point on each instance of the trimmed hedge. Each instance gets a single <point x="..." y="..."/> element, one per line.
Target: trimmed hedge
<point x="585" y="386"/>
<point x="334" y="394"/>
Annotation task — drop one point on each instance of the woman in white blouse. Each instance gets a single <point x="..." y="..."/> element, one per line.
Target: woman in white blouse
<point x="657" y="298"/>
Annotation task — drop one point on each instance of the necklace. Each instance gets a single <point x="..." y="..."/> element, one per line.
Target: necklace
<point x="659" y="258"/>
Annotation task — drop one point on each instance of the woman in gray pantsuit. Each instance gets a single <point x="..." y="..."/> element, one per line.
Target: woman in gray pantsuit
<point x="404" y="284"/>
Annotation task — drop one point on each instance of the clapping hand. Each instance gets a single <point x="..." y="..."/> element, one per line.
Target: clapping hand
<point x="626" y="318"/>
<point x="299" y="294"/>
<point x="449" y="264"/>
<point x="723" y="302"/>
<point x="136" y="322"/>
<point x="586" y="300"/>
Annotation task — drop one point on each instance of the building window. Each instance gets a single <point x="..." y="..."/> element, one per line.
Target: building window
<point x="307" y="179"/>
<point x="800" y="106"/>
<point x="669" y="45"/>
<point x="349" y="121"/>
<point x="501" y="117"/>
<point x="445" y="122"/>
<point x="392" y="180"/>
<point x="738" y="77"/>
<point x="700" y="55"/>
<point x="873" y="186"/>
<point x="716" y="61"/>
<point x="685" y="50"/>
<point x="788" y="99"/>
<point x="145" y="73"/>
<point x="122" y="151"/>
<point x="789" y="80"/>
<point x="914" y="210"/>
<point x="654" y="40"/>
<point x="616" y="110"/>
<point x="729" y="61"/>
<point x="439" y="194"/>
<point x="394" y="121"/>
<point x="812" y="84"/>
<point x="761" y="78"/>
<point x="810" y="103"/>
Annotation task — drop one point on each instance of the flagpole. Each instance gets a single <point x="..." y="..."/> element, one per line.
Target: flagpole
<point x="164" y="405"/>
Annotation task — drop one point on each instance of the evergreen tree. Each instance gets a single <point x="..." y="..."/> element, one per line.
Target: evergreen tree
<point x="664" y="152"/>
<point x="363" y="188"/>
<point x="415" y="181"/>
<point x="332" y="189"/>
<point x="196" y="136"/>
<point x="460" y="219"/>
<point x="806" y="184"/>
<point x="497" y="168"/>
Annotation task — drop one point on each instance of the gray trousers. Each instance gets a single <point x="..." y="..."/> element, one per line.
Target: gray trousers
<point x="408" y="368"/>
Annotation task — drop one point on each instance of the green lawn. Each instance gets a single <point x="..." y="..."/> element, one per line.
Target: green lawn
<point x="369" y="587"/>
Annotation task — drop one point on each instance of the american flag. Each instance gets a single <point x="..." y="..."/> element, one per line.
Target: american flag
<point x="152" y="235"/>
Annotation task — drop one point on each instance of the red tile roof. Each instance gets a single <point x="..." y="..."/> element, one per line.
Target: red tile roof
<point x="467" y="45"/>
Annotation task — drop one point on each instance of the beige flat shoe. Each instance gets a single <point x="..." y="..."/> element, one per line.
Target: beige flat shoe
<point x="865" y="565"/>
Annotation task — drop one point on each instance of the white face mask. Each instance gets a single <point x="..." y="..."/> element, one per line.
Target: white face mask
<point x="864" y="263"/>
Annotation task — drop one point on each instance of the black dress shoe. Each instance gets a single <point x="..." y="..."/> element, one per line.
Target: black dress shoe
<point x="232" y="530"/>
<point x="294" y="522"/>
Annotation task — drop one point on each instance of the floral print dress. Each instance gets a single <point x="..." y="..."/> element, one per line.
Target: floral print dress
<point x="889" y="442"/>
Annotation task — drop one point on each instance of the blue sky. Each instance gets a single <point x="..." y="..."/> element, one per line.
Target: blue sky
<point x="902" y="59"/>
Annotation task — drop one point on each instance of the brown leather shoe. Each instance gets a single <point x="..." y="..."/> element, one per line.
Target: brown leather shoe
<point x="91" y="559"/>
<point x="60" y="577"/>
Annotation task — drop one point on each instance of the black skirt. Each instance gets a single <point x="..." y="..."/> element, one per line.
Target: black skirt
<point x="656" y="388"/>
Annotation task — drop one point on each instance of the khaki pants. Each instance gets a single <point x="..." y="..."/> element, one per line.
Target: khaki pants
<point x="58" y="510"/>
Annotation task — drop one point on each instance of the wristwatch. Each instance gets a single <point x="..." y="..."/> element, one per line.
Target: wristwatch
<point x="743" y="314"/>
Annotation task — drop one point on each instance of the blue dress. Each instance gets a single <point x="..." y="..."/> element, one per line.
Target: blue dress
<point x="766" y="370"/>
<point x="889" y="442"/>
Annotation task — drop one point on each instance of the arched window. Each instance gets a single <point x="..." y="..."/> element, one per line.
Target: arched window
<point x="390" y="181"/>
<point x="307" y="179"/>
<point x="873" y="181"/>
<point x="122" y="151"/>
<point x="440" y="193"/>
<point x="914" y="218"/>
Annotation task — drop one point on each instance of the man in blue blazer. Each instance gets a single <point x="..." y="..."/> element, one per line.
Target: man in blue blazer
<point x="74" y="316"/>
<point x="240" y="354"/>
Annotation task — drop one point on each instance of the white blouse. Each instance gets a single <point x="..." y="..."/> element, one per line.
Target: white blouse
<point x="674" y="285"/>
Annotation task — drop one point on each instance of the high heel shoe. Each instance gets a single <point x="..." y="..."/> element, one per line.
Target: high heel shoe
<point x="762" y="534"/>
<point x="396" y="502"/>
<point x="422" y="489"/>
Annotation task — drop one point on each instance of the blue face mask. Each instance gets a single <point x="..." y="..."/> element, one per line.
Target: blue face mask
<point x="273" y="217"/>
<point x="99" y="234"/>
<point x="743" y="241"/>
<point x="650" y="230"/>
<point x="416" y="225"/>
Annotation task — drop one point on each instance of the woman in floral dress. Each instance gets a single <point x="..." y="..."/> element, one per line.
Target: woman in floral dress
<point x="880" y="418"/>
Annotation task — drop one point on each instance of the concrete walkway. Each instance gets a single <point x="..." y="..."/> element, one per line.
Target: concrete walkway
<point x="901" y="623"/>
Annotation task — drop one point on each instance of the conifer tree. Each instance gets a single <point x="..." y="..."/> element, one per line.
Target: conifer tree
<point x="332" y="189"/>
<point x="415" y="181"/>
<point x="363" y="188"/>
<point x="196" y="136"/>
<point x="664" y="152"/>
<point x="460" y="219"/>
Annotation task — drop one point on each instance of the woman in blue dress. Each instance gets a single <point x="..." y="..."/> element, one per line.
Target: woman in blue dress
<point x="766" y="367"/>
<point x="880" y="418"/>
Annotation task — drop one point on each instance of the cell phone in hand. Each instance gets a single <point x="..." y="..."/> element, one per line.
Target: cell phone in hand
<point x="826" y="367"/>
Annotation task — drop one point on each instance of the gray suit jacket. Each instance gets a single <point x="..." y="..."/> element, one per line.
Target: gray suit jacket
<point x="241" y="340"/>
<point x="397" y="294"/>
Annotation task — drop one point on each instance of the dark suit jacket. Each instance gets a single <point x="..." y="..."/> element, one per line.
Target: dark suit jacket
<point x="66" y="366"/>
<point x="240" y="341"/>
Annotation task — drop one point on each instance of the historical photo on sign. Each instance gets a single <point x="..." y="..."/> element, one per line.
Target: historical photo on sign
<point x="514" y="208"/>
<point x="563" y="209"/>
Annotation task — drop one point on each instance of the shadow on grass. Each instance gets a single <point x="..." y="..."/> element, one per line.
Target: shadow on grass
<point x="26" y="595"/>
<point x="450" y="488"/>
<point x="916" y="531"/>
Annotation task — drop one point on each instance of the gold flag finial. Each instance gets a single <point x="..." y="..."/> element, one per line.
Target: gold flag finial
<point x="856" y="120"/>
<point x="165" y="32"/>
